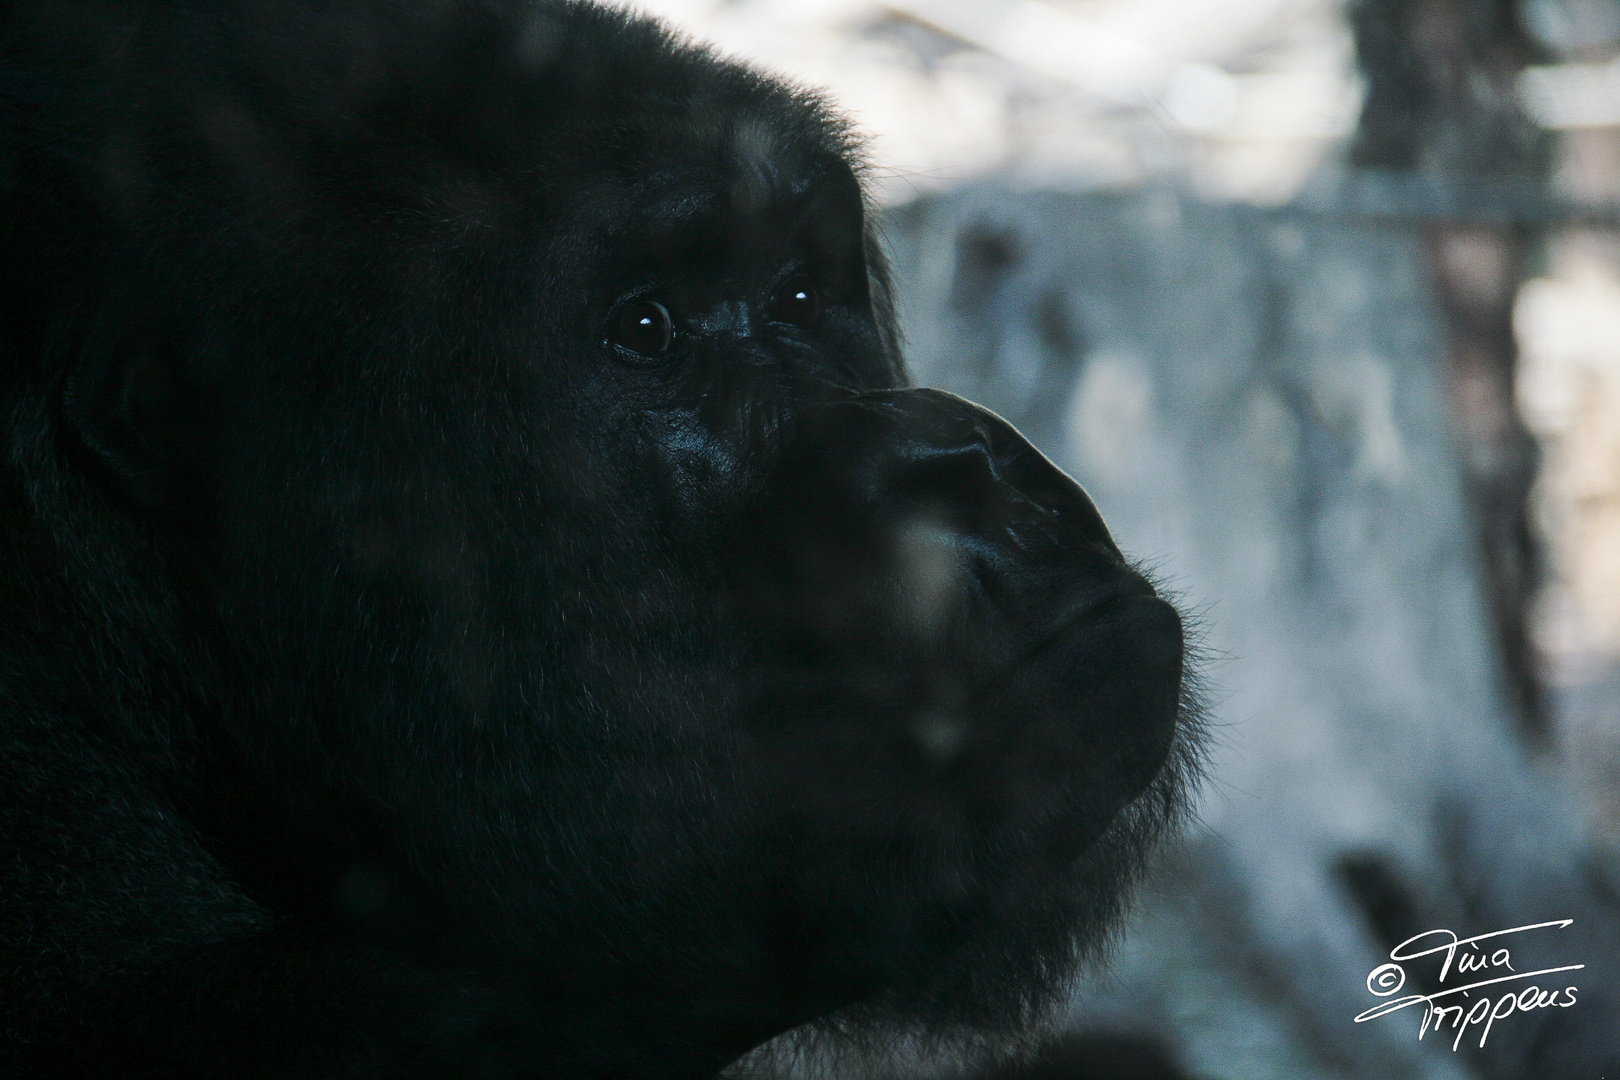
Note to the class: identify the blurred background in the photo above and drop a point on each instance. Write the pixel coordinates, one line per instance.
(1320, 299)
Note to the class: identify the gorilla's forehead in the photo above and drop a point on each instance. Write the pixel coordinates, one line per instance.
(573, 91)
(678, 213)
(737, 146)
(346, 107)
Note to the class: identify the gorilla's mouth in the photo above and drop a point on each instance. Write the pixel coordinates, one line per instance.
(1053, 742)
(1032, 793)
(1091, 710)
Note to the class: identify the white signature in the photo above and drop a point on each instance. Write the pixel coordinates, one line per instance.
(1387, 979)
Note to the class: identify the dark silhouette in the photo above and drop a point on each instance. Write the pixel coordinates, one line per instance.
(478, 599)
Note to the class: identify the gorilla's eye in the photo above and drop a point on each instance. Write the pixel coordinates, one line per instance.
(643, 328)
(797, 302)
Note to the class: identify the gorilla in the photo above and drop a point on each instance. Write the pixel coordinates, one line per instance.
(480, 598)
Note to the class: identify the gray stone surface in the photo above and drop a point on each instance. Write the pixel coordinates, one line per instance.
(1254, 400)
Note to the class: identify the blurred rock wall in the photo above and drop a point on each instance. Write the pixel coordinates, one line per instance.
(1256, 399)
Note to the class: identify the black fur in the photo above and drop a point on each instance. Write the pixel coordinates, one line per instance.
(399, 676)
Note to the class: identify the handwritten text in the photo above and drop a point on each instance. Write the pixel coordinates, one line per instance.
(1484, 965)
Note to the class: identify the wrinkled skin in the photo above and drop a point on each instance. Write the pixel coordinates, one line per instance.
(420, 658)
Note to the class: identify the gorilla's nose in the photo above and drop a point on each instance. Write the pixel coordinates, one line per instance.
(927, 455)
(927, 521)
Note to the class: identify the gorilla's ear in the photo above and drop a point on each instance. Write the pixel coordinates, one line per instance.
(119, 407)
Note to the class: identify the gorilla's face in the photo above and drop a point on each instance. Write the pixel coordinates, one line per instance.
(586, 601)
